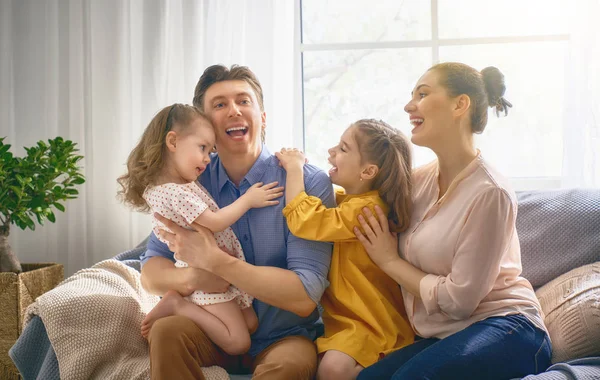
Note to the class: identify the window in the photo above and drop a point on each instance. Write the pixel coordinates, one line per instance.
(361, 59)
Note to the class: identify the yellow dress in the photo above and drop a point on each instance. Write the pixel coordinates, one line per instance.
(364, 313)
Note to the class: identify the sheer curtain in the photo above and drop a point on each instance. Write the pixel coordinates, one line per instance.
(96, 72)
(581, 163)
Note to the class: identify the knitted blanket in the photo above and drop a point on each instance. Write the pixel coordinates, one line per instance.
(93, 321)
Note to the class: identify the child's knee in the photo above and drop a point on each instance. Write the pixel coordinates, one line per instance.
(330, 369)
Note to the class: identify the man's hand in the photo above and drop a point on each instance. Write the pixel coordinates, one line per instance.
(196, 247)
(159, 275)
(199, 279)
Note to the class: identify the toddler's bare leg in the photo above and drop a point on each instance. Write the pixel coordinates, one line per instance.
(250, 318)
(223, 323)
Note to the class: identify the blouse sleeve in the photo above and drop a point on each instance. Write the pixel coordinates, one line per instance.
(483, 241)
(188, 205)
(308, 218)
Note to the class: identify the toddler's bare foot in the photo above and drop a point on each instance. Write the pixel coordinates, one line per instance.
(164, 308)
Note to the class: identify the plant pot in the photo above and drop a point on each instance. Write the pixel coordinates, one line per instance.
(17, 291)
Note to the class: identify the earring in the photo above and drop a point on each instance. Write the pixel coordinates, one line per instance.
(360, 179)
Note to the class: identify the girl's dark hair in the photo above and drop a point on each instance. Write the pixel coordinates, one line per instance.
(389, 149)
(485, 89)
(147, 159)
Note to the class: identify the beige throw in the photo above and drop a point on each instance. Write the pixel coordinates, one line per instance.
(93, 321)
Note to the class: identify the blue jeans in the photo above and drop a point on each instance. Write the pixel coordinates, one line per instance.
(496, 348)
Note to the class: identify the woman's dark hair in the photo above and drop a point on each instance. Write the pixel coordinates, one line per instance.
(485, 89)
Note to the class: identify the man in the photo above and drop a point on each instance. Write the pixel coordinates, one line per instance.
(286, 275)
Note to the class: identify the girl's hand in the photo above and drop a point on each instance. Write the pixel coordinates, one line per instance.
(381, 244)
(291, 158)
(259, 196)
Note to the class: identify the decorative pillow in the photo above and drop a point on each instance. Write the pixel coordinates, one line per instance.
(571, 304)
(558, 231)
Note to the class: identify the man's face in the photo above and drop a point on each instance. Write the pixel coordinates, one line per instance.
(235, 113)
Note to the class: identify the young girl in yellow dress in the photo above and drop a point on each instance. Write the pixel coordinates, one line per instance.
(364, 314)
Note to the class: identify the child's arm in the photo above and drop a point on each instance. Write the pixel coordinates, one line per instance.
(257, 196)
(309, 219)
(292, 161)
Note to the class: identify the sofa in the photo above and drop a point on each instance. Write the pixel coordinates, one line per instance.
(559, 231)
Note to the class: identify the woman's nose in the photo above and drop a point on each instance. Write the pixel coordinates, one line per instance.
(409, 107)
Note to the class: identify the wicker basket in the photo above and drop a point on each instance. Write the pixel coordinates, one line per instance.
(16, 293)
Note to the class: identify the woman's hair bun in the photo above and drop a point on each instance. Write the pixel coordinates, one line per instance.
(495, 88)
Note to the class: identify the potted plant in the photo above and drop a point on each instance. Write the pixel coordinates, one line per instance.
(31, 188)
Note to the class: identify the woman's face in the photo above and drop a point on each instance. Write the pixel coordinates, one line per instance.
(430, 111)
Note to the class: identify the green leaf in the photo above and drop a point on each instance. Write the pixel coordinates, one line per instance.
(25, 221)
(17, 191)
(46, 176)
(30, 223)
(4, 149)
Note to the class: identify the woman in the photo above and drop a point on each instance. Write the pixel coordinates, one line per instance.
(459, 265)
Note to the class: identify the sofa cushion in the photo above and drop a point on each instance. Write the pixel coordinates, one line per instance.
(571, 304)
(559, 230)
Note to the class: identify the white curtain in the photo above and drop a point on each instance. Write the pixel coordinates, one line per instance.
(96, 72)
(581, 163)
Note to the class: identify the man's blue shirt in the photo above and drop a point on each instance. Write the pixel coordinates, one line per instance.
(266, 240)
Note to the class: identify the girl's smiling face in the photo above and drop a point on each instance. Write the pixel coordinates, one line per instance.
(346, 162)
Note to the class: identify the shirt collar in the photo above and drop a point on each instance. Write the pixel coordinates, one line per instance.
(255, 173)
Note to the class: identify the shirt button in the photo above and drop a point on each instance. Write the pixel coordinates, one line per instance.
(245, 237)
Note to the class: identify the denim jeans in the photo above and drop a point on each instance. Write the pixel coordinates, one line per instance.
(496, 348)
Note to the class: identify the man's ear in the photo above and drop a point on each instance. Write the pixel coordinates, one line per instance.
(171, 141)
(462, 104)
(369, 172)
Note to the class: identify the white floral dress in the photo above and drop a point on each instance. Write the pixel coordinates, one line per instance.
(183, 204)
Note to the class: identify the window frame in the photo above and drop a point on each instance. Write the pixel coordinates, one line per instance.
(435, 43)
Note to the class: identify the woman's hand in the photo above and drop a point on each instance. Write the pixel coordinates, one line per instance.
(196, 247)
(381, 244)
(382, 247)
